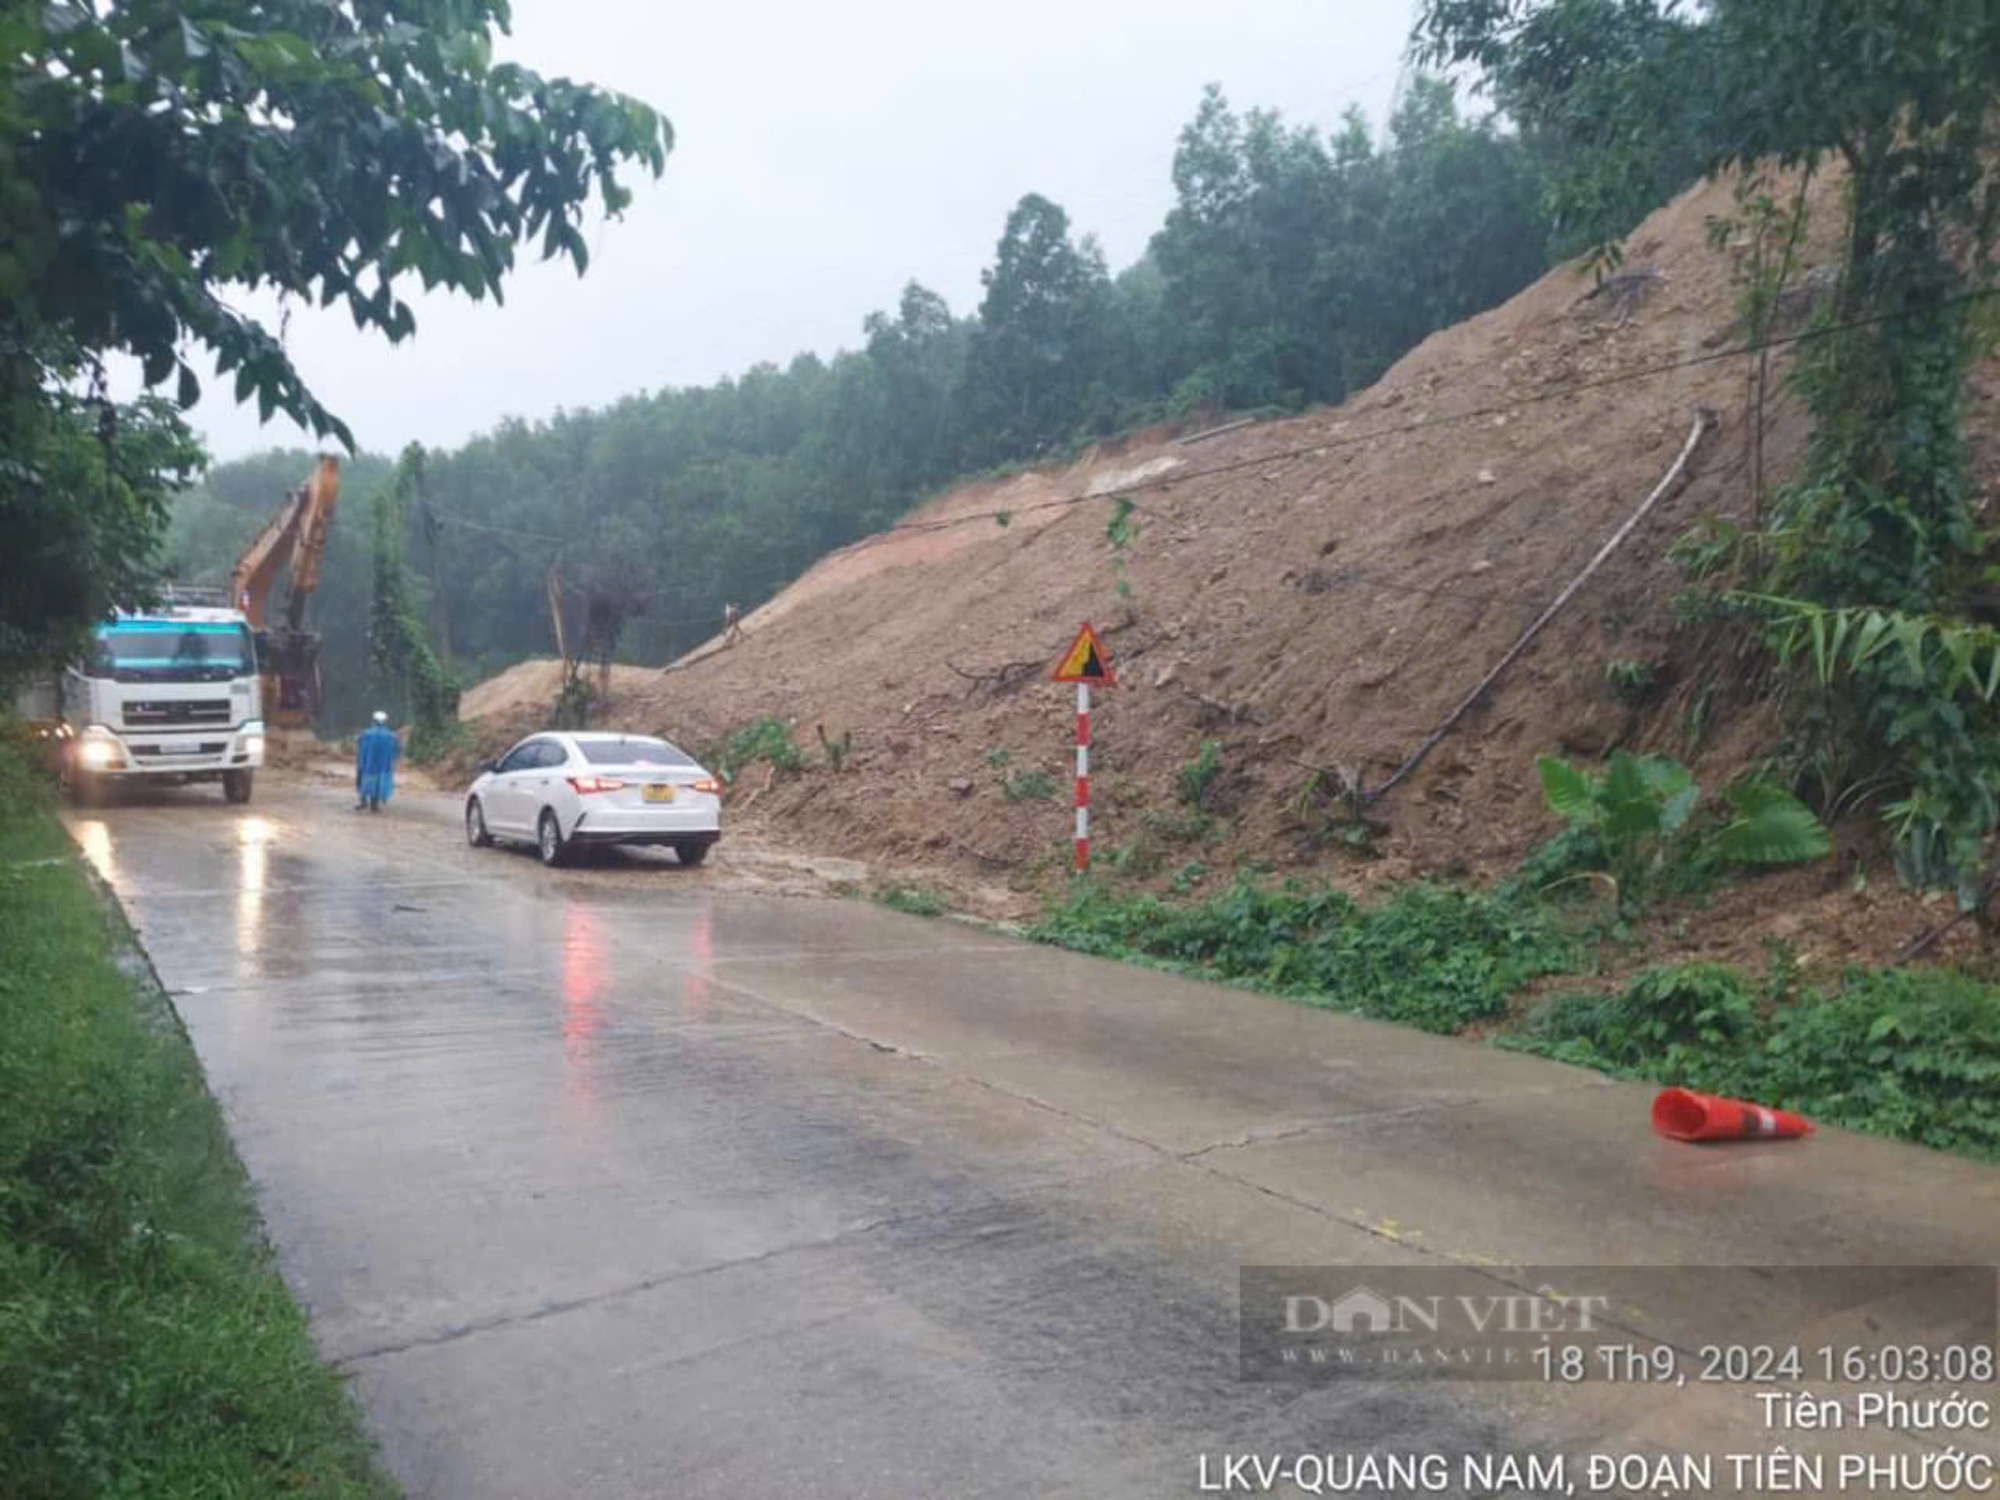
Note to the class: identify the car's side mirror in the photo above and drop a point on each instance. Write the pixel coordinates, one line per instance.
(483, 767)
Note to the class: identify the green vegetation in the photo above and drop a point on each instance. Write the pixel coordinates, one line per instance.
(1190, 827)
(1429, 956)
(84, 492)
(1631, 681)
(573, 699)
(1913, 1054)
(1120, 532)
(836, 750)
(917, 900)
(321, 153)
(1197, 776)
(1909, 1053)
(399, 647)
(1136, 859)
(1632, 825)
(1875, 538)
(768, 739)
(147, 1343)
(1028, 786)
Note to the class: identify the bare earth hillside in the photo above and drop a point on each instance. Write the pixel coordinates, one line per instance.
(1309, 593)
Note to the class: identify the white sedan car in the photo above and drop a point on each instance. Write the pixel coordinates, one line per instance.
(559, 791)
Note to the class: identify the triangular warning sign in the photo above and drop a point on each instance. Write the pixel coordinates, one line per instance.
(1085, 661)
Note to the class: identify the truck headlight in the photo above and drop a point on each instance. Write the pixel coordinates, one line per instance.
(97, 751)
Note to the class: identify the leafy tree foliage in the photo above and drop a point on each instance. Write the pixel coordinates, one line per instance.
(157, 153)
(1618, 99)
(1878, 525)
(398, 645)
(1040, 349)
(1300, 269)
(156, 156)
(79, 512)
(1907, 98)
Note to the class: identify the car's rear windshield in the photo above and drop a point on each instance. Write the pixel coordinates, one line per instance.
(633, 753)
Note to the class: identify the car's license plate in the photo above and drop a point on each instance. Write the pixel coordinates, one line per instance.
(659, 792)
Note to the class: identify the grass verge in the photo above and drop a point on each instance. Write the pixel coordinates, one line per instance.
(917, 900)
(1430, 956)
(1912, 1054)
(147, 1343)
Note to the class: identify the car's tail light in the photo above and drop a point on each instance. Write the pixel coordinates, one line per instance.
(707, 784)
(588, 784)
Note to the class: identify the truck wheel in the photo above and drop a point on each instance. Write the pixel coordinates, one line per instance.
(85, 790)
(236, 785)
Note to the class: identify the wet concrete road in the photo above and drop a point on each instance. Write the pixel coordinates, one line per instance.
(628, 1183)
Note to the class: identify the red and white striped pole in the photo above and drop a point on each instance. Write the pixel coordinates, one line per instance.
(1082, 777)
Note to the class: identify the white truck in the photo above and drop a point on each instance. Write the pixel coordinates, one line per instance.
(170, 694)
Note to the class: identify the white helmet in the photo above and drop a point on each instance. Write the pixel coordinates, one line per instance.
(380, 717)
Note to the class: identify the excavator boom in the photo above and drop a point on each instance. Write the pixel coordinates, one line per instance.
(257, 570)
(322, 495)
(296, 535)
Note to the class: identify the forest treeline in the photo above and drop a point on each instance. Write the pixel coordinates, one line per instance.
(1294, 267)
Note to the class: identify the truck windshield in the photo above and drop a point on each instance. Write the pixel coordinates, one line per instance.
(171, 651)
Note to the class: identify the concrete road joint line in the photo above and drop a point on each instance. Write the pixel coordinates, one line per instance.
(1104, 1126)
(266, 890)
(930, 1218)
(787, 955)
(609, 1294)
(1189, 1158)
(1250, 1139)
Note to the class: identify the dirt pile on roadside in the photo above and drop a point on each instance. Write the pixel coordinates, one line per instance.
(532, 689)
(1310, 596)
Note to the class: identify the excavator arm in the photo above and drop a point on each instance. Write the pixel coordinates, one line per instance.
(297, 536)
(322, 494)
(258, 569)
(298, 531)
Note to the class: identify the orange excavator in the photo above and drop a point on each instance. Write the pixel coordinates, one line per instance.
(289, 653)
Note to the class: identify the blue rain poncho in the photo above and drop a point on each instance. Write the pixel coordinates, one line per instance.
(375, 755)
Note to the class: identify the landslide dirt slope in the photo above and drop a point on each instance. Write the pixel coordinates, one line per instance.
(1313, 592)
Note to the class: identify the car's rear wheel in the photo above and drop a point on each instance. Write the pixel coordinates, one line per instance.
(692, 852)
(549, 840)
(475, 825)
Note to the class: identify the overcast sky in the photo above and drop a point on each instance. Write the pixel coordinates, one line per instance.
(824, 155)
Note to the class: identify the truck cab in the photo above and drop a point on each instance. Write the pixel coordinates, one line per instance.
(168, 694)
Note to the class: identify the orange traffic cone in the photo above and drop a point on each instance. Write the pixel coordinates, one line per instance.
(1683, 1115)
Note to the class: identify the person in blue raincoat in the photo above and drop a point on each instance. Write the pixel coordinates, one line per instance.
(375, 753)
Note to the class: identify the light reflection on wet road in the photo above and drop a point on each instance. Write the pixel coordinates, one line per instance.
(628, 1184)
